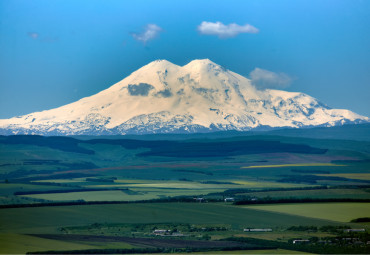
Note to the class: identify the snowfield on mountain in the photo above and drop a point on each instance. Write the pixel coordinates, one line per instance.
(162, 97)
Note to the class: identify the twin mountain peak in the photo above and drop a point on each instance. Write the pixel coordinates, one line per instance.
(162, 97)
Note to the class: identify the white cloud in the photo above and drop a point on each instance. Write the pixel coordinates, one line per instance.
(264, 79)
(150, 32)
(33, 35)
(225, 31)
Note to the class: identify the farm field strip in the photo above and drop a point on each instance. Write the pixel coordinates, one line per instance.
(293, 165)
(131, 190)
(189, 185)
(284, 235)
(223, 184)
(22, 243)
(271, 251)
(266, 184)
(341, 212)
(168, 185)
(31, 187)
(134, 181)
(147, 242)
(318, 193)
(19, 243)
(46, 219)
(358, 176)
(120, 195)
(150, 190)
(72, 180)
(110, 195)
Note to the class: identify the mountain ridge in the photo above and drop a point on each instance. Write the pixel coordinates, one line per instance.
(162, 97)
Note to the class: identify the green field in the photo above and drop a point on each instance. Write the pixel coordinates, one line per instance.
(292, 165)
(141, 189)
(111, 220)
(112, 195)
(67, 165)
(257, 168)
(21, 220)
(361, 176)
(315, 193)
(268, 251)
(272, 251)
(10, 188)
(341, 212)
(20, 244)
(17, 222)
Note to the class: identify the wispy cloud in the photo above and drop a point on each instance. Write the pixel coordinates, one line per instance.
(264, 79)
(42, 38)
(150, 32)
(33, 35)
(225, 31)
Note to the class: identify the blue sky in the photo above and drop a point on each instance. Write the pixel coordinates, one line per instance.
(56, 52)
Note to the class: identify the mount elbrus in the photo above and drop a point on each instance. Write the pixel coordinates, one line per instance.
(162, 97)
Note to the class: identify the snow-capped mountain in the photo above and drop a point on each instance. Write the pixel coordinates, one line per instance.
(162, 97)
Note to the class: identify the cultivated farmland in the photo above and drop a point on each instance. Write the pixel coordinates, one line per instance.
(108, 195)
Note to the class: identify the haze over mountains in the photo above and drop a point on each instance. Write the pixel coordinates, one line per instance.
(162, 97)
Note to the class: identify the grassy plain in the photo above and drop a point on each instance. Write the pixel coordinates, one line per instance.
(270, 251)
(361, 176)
(314, 193)
(341, 212)
(39, 219)
(247, 166)
(109, 195)
(17, 222)
(10, 188)
(292, 165)
(264, 251)
(20, 244)
(132, 190)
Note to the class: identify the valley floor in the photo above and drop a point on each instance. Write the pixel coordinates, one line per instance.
(240, 195)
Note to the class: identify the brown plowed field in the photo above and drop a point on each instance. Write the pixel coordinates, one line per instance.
(146, 242)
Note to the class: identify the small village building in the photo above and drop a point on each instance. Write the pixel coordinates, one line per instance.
(257, 230)
(158, 232)
(300, 241)
(355, 230)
